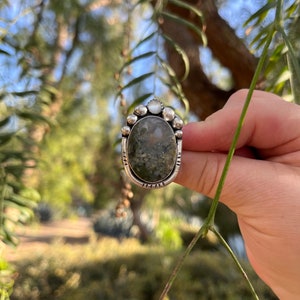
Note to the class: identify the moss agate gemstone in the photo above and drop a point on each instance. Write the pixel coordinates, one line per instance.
(152, 149)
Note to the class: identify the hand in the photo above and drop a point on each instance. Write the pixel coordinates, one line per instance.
(262, 189)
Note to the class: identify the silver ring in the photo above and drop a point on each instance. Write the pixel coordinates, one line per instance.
(152, 145)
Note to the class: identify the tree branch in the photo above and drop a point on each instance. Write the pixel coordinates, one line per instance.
(205, 97)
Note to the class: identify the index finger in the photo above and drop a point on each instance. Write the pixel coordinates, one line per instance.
(272, 126)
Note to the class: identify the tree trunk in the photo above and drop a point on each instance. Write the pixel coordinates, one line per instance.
(205, 97)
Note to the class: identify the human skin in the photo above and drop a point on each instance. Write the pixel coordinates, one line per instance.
(263, 182)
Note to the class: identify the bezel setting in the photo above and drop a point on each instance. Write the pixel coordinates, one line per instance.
(152, 145)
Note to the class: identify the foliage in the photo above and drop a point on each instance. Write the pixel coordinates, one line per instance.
(43, 212)
(7, 275)
(108, 224)
(282, 68)
(16, 200)
(59, 53)
(51, 53)
(69, 173)
(148, 48)
(67, 159)
(167, 231)
(128, 270)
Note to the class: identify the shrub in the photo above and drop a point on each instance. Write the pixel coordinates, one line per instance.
(43, 212)
(108, 224)
(108, 269)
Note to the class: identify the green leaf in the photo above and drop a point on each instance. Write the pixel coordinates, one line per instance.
(292, 8)
(181, 97)
(262, 36)
(34, 117)
(21, 201)
(24, 93)
(144, 40)
(140, 2)
(6, 137)
(4, 122)
(167, 68)
(2, 95)
(193, 9)
(183, 55)
(50, 89)
(188, 24)
(261, 13)
(15, 170)
(32, 194)
(292, 56)
(8, 237)
(135, 81)
(138, 101)
(137, 58)
(284, 76)
(4, 52)
(10, 154)
(278, 52)
(174, 85)
(44, 97)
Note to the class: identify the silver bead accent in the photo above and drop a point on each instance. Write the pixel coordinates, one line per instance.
(125, 130)
(131, 119)
(168, 114)
(140, 110)
(177, 123)
(155, 106)
(179, 134)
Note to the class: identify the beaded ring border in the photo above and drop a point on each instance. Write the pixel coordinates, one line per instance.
(152, 145)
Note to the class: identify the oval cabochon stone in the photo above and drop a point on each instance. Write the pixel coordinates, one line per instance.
(152, 149)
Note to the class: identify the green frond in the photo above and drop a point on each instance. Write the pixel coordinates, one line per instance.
(6, 137)
(143, 41)
(20, 201)
(260, 39)
(284, 76)
(33, 117)
(174, 85)
(4, 52)
(182, 54)
(189, 7)
(8, 236)
(5, 121)
(279, 50)
(260, 14)
(292, 55)
(188, 24)
(135, 81)
(292, 9)
(137, 58)
(24, 93)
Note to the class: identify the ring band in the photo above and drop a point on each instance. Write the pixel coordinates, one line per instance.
(152, 145)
